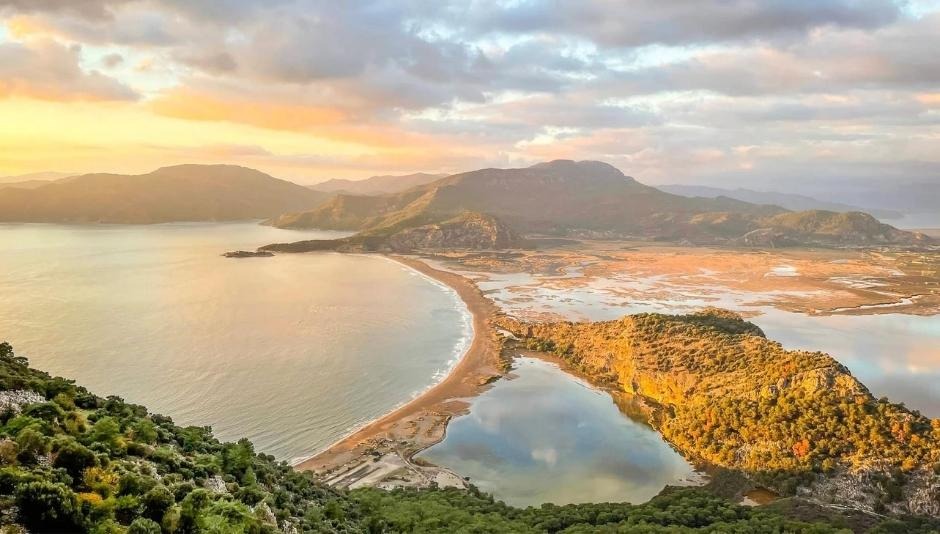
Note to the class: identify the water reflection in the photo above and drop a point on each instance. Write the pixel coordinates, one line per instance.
(548, 437)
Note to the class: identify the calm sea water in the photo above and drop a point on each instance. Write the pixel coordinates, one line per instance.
(547, 437)
(291, 351)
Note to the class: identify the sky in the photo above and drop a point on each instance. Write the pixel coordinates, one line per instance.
(767, 94)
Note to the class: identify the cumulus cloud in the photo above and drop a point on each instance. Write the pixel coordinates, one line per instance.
(50, 71)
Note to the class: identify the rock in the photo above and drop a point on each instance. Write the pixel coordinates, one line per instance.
(13, 401)
(248, 254)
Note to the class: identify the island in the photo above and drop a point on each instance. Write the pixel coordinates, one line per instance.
(248, 254)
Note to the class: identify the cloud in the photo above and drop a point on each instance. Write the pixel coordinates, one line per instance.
(669, 91)
(49, 71)
(187, 104)
(92, 9)
(112, 60)
(612, 23)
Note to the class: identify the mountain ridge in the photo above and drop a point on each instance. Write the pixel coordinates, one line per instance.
(790, 201)
(587, 199)
(376, 185)
(188, 192)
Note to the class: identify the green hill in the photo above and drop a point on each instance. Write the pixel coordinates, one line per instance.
(71, 461)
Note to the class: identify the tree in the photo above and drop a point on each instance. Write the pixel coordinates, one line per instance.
(32, 444)
(143, 525)
(157, 501)
(46, 506)
(73, 457)
(108, 431)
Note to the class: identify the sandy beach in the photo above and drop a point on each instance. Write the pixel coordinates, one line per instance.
(381, 453)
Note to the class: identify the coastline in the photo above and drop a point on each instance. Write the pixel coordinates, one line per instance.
(387, 445)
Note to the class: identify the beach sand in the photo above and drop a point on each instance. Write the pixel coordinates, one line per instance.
(381, 453)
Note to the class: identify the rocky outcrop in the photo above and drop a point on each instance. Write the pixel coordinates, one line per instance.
(467, 231)
(13, 401)
(247, 254)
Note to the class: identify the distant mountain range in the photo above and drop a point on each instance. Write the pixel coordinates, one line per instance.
(179, 193)
(789, 201)
(376, 185)
(34, 177)
(551, 198)
(593, 200)
(486, 208)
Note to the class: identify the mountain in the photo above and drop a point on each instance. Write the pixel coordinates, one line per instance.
(556, 197)
(376, 185)
(179, 193)
(586, 199)
(721, 392)
(789, 201)
(35, 176)
(25, 184)
(469, 230)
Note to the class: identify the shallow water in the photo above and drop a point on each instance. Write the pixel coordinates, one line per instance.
(291, 351)
(545, 436)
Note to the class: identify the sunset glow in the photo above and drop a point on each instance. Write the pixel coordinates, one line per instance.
(742, 92)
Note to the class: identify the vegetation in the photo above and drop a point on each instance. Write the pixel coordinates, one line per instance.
(71, 461)
(735, 399)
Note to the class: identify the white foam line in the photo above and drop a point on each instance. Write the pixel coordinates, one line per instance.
(460, 352)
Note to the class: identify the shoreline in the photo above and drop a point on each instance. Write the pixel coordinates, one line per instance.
(387, 445)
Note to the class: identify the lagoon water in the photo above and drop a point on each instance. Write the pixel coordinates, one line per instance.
(291, 351)
(545, 436)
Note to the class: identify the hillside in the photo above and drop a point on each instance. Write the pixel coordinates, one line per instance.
(588, 199)
(376, 185)
(180, 193)
(76, 462)
(469, 230)
(726, 395)
(790, 201)
(829, 228)
(554, 197)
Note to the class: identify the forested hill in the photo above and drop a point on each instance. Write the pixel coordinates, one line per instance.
(71, 461)
(797, 421)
